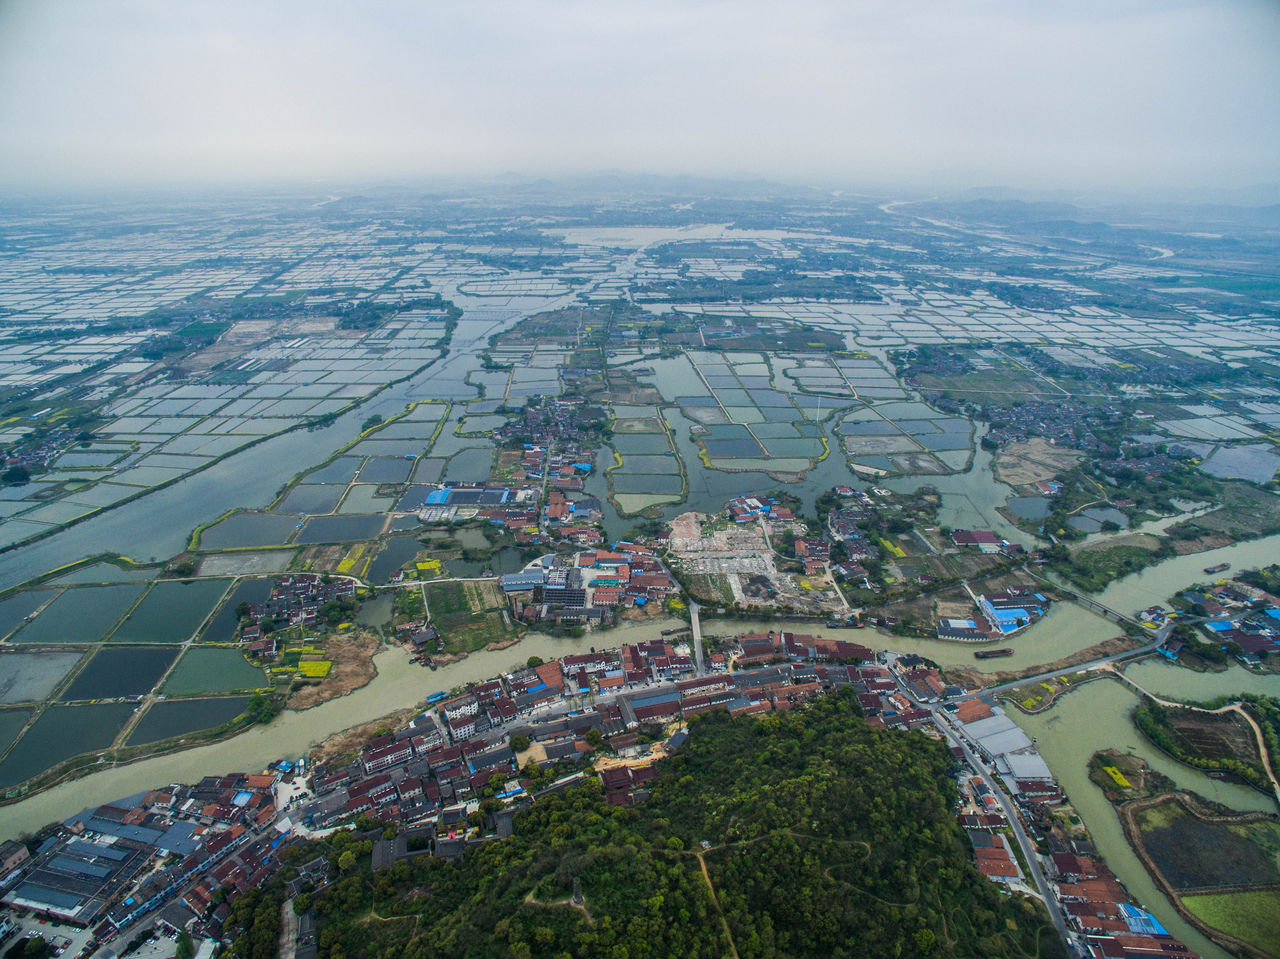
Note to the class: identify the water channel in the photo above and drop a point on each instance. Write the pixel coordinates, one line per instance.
(1092, 717)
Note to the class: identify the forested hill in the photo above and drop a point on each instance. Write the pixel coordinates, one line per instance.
(823, 837)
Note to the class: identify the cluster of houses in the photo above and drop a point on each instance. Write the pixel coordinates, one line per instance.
(999, 614)
(38, 457)
(984, 541)
(1098, 909)
(186, 851)
(1095, 906)
(560, 420)
(592, 589)
(1238, 624)
(296, 600)
(559, 453)
(748, 509)
(1073, 423)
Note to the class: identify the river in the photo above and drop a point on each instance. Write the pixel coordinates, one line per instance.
(1096, 716)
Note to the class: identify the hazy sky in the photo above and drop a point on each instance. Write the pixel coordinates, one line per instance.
(1043, 93)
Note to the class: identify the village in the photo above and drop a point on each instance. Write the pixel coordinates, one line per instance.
(176, 859)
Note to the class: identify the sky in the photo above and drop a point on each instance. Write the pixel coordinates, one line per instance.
(932, 94)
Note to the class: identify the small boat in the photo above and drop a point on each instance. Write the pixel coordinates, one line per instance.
(1217, 569)
(992, 653)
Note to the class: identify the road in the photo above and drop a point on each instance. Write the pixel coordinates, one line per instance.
(1236, 707)
(1149, 648)
(696, 622)
(1011, 814)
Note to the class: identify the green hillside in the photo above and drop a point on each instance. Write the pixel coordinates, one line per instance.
(821, 836)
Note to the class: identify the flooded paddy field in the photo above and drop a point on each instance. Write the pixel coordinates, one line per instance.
(340, 529)
(205, 669)
(385, 469)
(119, 671)
(222, 625)
(11, 723)
(60, 733)
(15, 609)
(30, 677)
(312, 498)
(361, 498)
(249, 529)
(171, 612)
(105, 573)
(177, 718)
(83, 614)
(395, 552)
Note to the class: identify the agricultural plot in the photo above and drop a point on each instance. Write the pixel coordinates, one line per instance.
(80, 615)
(171, 612)
(469, 615)
(178, 718)
(647, 470)
(1251, 916)
(116, 672)
(1194, 853)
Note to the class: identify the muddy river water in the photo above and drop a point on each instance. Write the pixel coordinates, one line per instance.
(1091, 717)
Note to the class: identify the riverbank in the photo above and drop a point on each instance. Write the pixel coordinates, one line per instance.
(1132, 814)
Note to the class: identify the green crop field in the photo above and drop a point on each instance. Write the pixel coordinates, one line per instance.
(1251, 916)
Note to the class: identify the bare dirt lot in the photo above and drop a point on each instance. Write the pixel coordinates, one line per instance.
(352, 658)
(972, 677)
(1030, 461)
(1140, 540)
(349, 741)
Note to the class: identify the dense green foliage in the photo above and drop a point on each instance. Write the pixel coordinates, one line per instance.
(1154, 721)
(807, 833)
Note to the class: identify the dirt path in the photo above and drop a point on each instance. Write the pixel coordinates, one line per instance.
(1236, 707)
(288, 930)
(1128, 814)
(715, 901)
(352, 658)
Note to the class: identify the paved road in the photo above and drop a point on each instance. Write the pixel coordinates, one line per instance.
(1011, 814)
(1237, 707)
(696, 623)
(1150, 647)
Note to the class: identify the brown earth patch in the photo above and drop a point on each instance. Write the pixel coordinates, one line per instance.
(1109, 647)
(1140, 540)
(349, 742)
(1184, 547)
(1033, 460)
(352, 658)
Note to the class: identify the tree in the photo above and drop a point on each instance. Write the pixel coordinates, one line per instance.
(185, 947)
(519, 743)
(347, 861)
(534, 661)
(16, 476)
